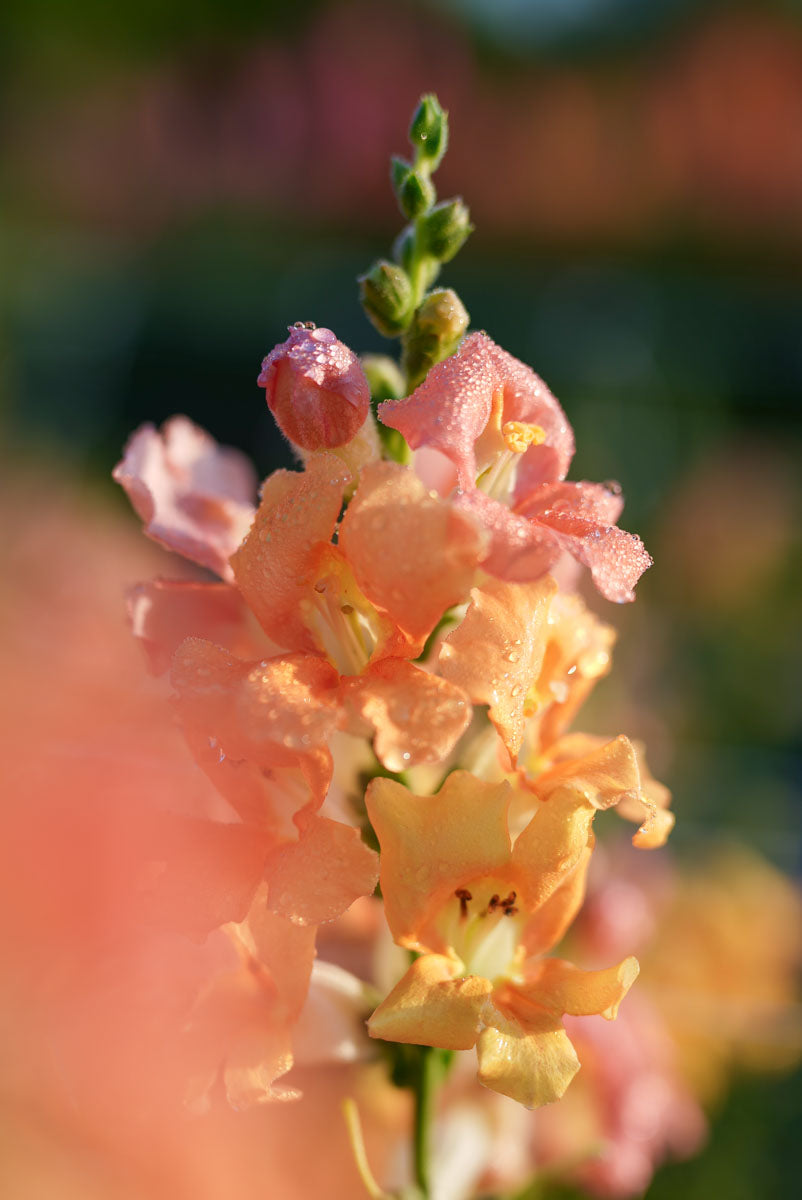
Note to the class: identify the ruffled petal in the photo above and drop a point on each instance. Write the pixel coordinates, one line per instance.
(616, 559)
(433, 1005)
(193, 495)
(602, 777)
(412, 553)
(299, 509)
(318, 877)
(496, 652)
(563, 988)
(430, 845)
(164, 612)
(640, 797)
(415, 717)
(594, 502)
(531, 1060)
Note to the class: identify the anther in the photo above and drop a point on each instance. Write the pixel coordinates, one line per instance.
(463, 895)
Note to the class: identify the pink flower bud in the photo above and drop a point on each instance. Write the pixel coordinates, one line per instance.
(315, 388)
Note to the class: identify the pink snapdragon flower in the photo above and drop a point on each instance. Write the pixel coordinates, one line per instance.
(194, 496)
(509, 446)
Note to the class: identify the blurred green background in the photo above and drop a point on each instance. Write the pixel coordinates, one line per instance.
(181, 181)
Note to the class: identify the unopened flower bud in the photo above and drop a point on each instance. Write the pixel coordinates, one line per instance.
(315, 388)
(416, 195)
(435, 333)
(446, 228)
(386, 294)
(428, 132)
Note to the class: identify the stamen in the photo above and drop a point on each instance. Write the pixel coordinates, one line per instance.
(463, 895)
(519, 436)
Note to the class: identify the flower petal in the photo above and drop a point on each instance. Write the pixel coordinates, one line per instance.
(247, 722)
(532, 1062)
(616, 559)
(518, 549)
(318, 877)
(193, 495)
(496, 652)
(412, 553)
(416, 717)
(432, 1005)
(271, 712)
(431, 845)
(551, 846)
(550, 922)
(602, 777)
(563, 988)
(163, 612)
(451, 408)
(299, 509)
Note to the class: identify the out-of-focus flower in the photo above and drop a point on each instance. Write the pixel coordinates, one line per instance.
(193, 495)
(510, 446)
(723, 969)
(481, 910)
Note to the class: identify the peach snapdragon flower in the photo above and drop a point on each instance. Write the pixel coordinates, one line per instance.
(480, 910)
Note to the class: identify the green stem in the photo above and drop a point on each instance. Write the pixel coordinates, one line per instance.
(426, 1081)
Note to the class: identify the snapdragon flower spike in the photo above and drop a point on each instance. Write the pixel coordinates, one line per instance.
(194, 496)
(509, 446)
(315, 388)
(481, 909)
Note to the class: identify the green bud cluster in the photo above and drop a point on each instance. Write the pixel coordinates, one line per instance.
(395, 294)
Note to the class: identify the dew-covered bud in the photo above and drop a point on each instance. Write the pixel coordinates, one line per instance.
(386, 294)
(446, 228)
(428, 132)
(315, 388)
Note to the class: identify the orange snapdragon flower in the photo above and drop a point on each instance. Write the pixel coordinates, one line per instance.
(481, 909)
